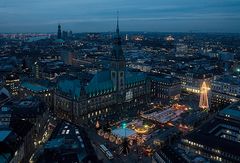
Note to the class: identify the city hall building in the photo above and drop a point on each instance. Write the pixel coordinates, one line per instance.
(111, 93)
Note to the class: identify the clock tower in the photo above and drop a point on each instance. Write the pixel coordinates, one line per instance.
(118, 63)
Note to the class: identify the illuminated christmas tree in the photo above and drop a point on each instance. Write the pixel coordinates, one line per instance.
(203, 103)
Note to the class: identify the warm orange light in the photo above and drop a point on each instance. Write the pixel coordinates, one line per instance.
(203, 103)
(170, 124)
(141, 130)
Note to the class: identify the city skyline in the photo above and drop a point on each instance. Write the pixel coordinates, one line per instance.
(119, 81)
(93, 16)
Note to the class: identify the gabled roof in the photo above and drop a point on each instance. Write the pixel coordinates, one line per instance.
(100, 82)
(72, 87)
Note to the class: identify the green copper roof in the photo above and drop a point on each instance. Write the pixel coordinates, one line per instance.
(100, 82)
(59, 41)
(72, 87)
(34, 87)
(133, 77)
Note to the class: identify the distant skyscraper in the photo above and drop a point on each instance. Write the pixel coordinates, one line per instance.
(64, 34)
(203, 103)
(70, 33)
(59, 36)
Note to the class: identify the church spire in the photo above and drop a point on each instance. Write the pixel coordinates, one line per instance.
(117, 30)
(59, 34)
(117, 52)
(117, 38)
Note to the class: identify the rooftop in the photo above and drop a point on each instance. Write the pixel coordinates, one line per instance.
(169, 155)
(69, 142)
(214, 135)
(164, 78)
(69, 86)
(232, 111)
(102, 81)
(4, 134)
(34, 87)
(229, 79)
(26, 108)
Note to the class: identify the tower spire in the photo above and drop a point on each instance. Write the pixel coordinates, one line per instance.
(117, 30)
(59, 35)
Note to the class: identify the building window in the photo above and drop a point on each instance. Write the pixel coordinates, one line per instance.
(113, 74)
(121, 74)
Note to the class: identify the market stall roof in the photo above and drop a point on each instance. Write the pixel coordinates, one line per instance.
(123, 132)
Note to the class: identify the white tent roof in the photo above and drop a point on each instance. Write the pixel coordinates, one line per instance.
(123, 132)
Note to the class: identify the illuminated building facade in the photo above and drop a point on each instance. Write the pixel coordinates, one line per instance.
(225, 90)
(112, 92)
(36, 70)
(192, 81)
(48, 69)
(12, 83)
(165, 88)
(217, 140)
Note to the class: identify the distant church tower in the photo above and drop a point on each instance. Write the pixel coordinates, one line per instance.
(59, 35)
(118, 63)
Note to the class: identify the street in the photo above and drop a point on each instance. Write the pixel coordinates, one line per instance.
(132, 157)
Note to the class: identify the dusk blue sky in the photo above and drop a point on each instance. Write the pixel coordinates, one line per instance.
(135, 15)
